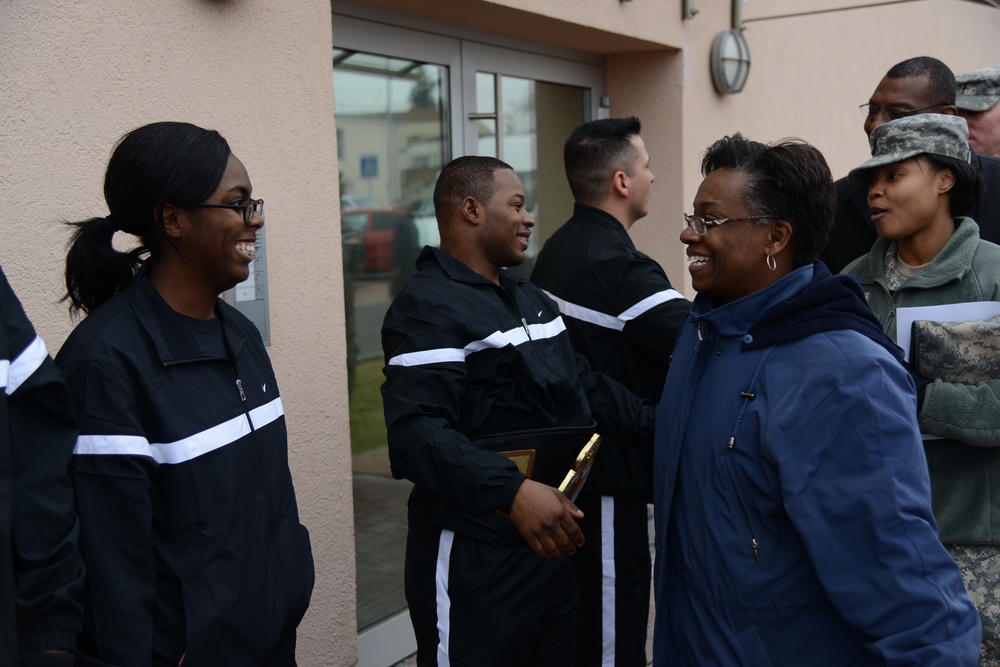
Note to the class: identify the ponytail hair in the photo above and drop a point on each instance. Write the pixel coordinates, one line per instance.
(95, 271)
(152, 166)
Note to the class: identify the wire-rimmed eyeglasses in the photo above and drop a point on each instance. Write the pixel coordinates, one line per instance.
(700, 225)
(869, 110)
(249, 208)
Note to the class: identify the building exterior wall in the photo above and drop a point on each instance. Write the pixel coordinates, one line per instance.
(77, 75)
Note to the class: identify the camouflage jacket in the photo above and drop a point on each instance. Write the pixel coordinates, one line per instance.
(965, 479)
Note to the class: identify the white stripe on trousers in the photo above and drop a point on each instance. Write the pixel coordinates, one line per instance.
(442, 598)
(608, 580)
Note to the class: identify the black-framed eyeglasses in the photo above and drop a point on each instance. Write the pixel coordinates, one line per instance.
(700, 225)
(252, 206)
(869, 111)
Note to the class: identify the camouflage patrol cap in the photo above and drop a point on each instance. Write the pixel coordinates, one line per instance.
(926, 133)
(978, 90)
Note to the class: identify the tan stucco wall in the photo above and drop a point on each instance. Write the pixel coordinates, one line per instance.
(600, 26)
(807, 78)
(76, 76)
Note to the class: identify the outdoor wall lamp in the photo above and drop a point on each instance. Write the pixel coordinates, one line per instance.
(730, 61)
(730, 58)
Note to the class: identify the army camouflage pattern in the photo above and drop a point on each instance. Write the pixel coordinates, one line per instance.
(966, 352)
(978, 90)
(980, 565)
(893, 278)
(930, 133)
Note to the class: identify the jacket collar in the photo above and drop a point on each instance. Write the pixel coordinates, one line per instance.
(456, 270)
(803, 303)
(601, 218)
(735, 318)
(950, 263)
(174, 342)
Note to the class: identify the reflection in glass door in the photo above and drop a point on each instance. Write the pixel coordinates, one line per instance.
(525, 123)
(393, 138)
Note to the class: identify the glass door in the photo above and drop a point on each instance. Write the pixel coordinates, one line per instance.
(392, 96)
(521, 108)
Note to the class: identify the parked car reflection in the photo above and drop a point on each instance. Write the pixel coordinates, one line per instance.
(390, 238)
(377, 227)
(426, 223)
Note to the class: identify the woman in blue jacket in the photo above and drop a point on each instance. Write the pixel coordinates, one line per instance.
(189, 526)
(792, 500)
(919, 178)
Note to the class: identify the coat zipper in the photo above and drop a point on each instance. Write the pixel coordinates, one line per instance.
(739, 501)
(272, 519)
(747, 395)
(730, 444)
(512, 301)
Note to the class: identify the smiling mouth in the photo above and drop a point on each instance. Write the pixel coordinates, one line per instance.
(698, 260)
(246, 248)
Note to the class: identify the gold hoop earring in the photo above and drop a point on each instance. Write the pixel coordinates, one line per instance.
(771, 264)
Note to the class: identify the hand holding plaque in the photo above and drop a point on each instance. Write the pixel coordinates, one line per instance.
(573, 483)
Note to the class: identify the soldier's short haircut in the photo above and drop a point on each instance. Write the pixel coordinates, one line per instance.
(941, 80)
(469, 176)
(594, 151)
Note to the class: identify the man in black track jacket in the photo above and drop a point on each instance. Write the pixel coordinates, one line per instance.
(623, 316)
(41, 571)
(473, 351)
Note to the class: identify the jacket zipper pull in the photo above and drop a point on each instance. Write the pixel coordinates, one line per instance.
(524, 323)
(753, 542)
(239, 385)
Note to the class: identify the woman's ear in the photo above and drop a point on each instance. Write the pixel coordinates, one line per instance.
(780, 237)
(945, 181)
(171, 221)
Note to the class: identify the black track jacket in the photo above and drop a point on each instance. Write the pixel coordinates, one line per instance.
(189, 524)
(622, 315)
(466, 358)
(41, 572)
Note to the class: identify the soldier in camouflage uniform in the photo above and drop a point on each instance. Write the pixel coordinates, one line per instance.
(918, 177)
(978, 101)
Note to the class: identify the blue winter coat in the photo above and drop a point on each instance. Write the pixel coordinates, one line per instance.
(792, 497)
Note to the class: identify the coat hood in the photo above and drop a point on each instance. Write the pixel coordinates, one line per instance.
(828, 303)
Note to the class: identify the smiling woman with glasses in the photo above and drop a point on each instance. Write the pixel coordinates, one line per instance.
(188, 520)
(793, 518)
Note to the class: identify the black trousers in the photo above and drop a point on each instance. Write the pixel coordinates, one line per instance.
(479, 604)
(613, 570)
